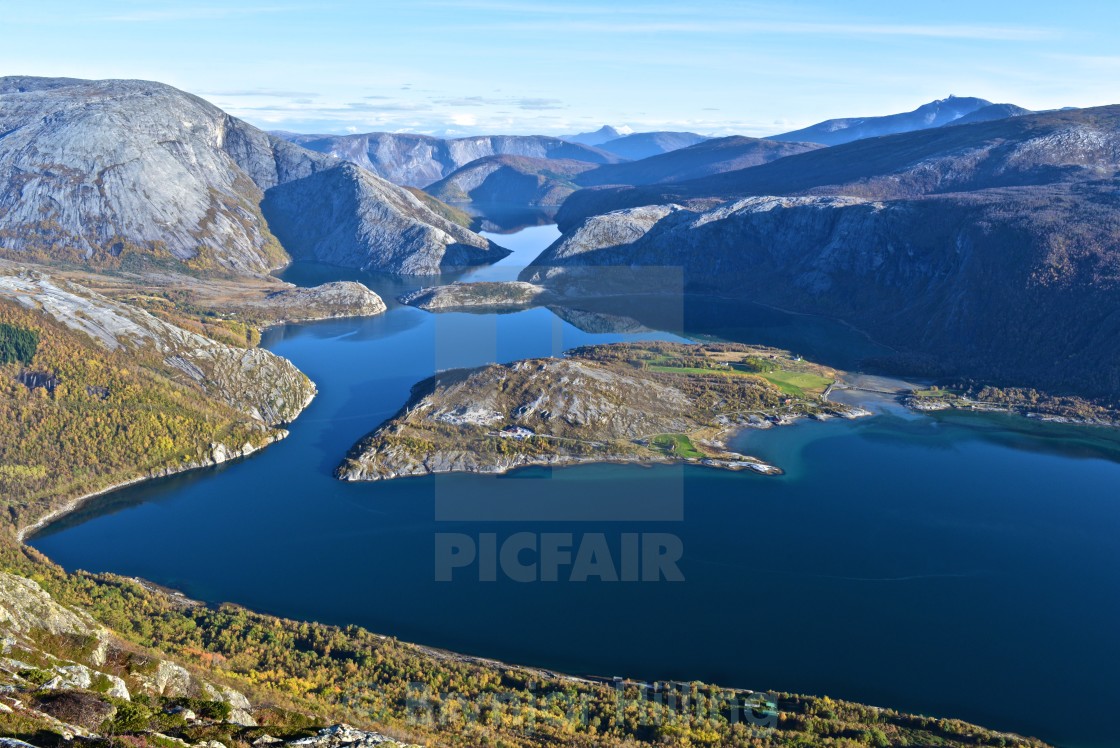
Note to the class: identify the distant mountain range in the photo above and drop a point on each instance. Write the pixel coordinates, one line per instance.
(421, 160)
(96, 172)
(533, 182)
(989, 249)
(604, 134)
(933, 114)
(989, 113)
(1070, 145)
(710, 156)
(512, 180)
(646, 144)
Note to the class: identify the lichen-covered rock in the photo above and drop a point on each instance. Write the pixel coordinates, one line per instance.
(344, 736)
(240, 707)
(25, 606)
(167, 679)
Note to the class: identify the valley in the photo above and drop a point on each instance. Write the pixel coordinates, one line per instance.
(683, 360)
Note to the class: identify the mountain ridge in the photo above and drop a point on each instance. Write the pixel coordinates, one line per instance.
(1041, 148)
(847, 129)
(93, 172)
(421, 160)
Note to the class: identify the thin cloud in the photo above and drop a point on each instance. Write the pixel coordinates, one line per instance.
(267, 93)
(198, 13)
(528, 103)
(539, 104)
(971, 32)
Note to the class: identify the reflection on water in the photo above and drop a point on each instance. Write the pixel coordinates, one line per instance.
(953, 564)
(508, 219)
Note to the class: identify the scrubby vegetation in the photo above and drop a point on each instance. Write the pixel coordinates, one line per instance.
(81, 418)
(305, 675)
(969, 395)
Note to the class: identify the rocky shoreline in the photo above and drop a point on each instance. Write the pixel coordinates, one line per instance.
(640, 403)
(219, 453)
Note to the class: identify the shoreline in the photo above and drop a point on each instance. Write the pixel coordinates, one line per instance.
(752, 464)
(724, 461)
(220, 454)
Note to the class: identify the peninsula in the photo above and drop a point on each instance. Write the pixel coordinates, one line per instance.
(626, 402)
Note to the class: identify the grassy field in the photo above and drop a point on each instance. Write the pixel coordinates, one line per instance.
(676, 444)
(696, 370)
(797, 383)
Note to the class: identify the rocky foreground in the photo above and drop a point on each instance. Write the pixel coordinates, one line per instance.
(101, 684)
(637, 403)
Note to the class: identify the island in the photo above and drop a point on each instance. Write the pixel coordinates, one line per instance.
(483, 295)
(1022, 401)
(644, 403)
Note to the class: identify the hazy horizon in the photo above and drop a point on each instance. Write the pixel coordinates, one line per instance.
(509, 66)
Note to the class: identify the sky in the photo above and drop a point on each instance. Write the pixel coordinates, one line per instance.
(449, 67)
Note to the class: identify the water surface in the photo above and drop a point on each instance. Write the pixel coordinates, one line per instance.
(953, 565)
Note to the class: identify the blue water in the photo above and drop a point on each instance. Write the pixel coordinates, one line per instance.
(953, 565)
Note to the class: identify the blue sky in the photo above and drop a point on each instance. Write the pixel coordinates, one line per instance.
(563, 66)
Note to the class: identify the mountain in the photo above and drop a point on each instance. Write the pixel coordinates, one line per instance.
(600, 136)
(989, 113)
(100, 172)
(646, 144)
(708, 157)
(529, 182)
(989, 250)
(1050, 147)
(511, 180)
(933, 114)
(420, 160)
(1019, 286)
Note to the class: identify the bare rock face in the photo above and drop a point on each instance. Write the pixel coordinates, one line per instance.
(348, 217)
(261, 384)
(593, 259)
(91, 171)
(345, 736)
(24, 607)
